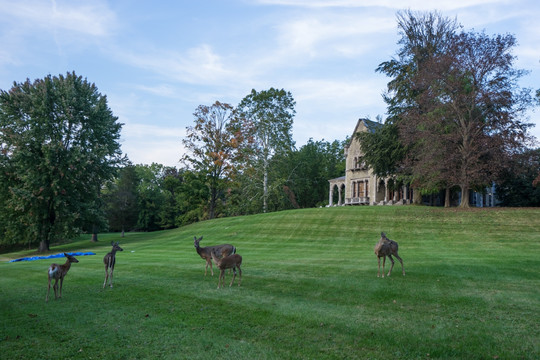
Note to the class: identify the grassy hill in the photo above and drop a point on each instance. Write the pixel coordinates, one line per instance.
(309, 290)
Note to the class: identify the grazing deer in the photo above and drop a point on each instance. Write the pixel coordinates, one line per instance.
(386, 247)
(109, 260)
(206, 252)
(58, 272)
(228, 262)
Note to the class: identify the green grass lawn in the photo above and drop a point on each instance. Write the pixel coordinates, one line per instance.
(309, 290)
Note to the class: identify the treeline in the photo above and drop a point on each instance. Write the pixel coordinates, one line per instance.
(155, 197)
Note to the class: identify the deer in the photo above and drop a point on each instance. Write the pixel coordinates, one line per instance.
(386, 247)
(206, 252)
(110, 260)
(58, 272)
(228, 262)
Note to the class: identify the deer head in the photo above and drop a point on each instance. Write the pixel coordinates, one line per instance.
(116, 246)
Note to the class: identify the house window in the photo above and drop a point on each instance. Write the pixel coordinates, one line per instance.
(366, 189)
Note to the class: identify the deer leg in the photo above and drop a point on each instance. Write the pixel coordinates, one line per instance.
(221, 278)
(209, 262)
(111, 277)
(48, 290)
(55, 288)
(106, 276)
(391, 267)
(240, 274)
(401, 261)
(383, 263)
(379, 268)
(61, 284)
(234, 275)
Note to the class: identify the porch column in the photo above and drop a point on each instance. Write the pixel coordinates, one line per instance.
(331, 195)
(339, 192)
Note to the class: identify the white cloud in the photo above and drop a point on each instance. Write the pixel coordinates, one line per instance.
(392, 4)
(331, 34)
(90, 18)
(198, 65)
(145, 144)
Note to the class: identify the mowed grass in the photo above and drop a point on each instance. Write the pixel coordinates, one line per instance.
(309, 290)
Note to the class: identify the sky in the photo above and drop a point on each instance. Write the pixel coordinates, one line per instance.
(157, 61)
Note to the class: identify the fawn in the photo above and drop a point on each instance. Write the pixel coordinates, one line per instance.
(110, 260)
(386, 247)
(229, 262)
(58, 272)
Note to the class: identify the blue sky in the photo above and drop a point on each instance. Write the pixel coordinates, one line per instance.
(158, 60)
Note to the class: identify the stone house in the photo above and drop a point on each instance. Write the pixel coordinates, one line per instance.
(360, 186)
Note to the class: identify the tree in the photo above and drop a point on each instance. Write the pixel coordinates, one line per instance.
(423, 37)
(59, 145)
(212, 145)
(516, 186)
(150, 196)
(268, 115)
(473, 113)
(120, 196)
(304, 173)
(170, 184)
(455, 100)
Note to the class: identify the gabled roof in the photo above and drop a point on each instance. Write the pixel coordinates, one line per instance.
(368, 124)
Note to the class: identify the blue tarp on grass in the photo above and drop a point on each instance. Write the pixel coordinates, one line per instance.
(32, 258)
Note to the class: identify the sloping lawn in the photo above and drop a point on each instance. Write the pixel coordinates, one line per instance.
(309, 290)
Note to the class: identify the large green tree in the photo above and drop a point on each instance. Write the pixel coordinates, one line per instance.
(423, 36)
(456, 103)
(59, 143)
(212, 145)
(268, 115)
(473, 113)
(121, 200)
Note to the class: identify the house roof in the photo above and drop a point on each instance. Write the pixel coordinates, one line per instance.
(368, 124)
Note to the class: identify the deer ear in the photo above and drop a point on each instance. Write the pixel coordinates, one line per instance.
(66, 255)
(383, 235)
(112, 243)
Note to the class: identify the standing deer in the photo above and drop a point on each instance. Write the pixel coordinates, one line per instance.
(58, 272)
(386, 247)
(110, 260)
(206, 252)
(228, 262)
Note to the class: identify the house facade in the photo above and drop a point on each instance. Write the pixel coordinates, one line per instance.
(360, 186)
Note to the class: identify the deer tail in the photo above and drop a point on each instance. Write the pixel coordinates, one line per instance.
(53, 269)
(233, 250)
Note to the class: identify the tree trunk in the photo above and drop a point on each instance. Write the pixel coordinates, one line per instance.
(447, 198)
(213, 198)
(417, 197)
(265, 186)
(94, 234)
(43, 246)
(464, 203)
(43, 234)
